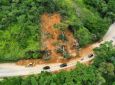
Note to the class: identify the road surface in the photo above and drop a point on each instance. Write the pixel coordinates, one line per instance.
(11, 69)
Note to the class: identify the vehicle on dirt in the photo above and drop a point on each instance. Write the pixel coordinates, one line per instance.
(63, 65)
(30, 65)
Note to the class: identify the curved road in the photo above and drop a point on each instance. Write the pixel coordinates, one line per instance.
(11, 69)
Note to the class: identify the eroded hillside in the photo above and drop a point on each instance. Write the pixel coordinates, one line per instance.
(51, 42)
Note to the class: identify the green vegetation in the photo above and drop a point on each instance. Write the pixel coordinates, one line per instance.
(101, 72)
(62, 37)
(105, 62)
(106, 53)
(61, 26)
(84, 36)
(20, 29)
(33, 54)
(104, 7)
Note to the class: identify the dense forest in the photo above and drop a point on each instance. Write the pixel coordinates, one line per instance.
(101, 72)
(20, 29)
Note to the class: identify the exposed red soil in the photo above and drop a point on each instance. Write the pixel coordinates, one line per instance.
(85, 51)
(48, 22)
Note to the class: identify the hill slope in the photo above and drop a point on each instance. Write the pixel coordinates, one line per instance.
(20, 24)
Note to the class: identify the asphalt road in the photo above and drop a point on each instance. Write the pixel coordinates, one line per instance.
(11, 69)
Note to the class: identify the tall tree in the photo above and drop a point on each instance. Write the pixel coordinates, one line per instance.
(84, 36)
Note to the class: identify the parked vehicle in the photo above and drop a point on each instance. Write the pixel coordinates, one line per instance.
(91, 55)
(63, 65)
(46, 67)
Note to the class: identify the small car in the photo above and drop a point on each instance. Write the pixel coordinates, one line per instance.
(46, 67)
(91, 55)
(63, 65)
